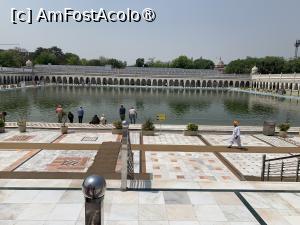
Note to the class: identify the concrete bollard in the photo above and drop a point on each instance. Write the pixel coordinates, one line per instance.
(93, 188)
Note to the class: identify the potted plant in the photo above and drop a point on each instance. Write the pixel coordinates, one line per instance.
(148, 128)
(64, 128)
(22, 125)
(191, 130)
(118, 127)
(284, 127)
(2, 126)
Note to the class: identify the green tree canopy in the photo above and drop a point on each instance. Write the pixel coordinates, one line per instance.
(140, 62)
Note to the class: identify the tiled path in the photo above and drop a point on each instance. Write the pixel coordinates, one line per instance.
(8, 157)
(88, 138)
(276, 208)
(224, 140)
(31, 136)
(47, 207)
(275, 141)
(187, 166)
(172, 139)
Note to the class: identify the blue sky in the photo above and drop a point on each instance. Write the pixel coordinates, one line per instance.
(208, 28)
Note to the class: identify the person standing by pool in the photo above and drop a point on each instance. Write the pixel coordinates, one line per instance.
(80, 113)
(103, 120)
(132, 115)
(71, 117)
(236, 135)
(59, 111)
(122, 112)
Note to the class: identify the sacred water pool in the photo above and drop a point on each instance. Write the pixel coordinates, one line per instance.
(202, 106)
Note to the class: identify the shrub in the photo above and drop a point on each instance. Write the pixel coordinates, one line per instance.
(2, 123)
(118, 124)
(21, 122)
(192, 127)
(284, 126)
(148, 125)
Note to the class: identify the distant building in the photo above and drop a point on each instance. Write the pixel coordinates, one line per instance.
(220, 66)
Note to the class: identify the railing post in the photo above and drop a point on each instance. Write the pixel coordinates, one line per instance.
(297, 170)
(268, 174)
(93, 188)
(124, 157)
(281, 172)
(263, 168)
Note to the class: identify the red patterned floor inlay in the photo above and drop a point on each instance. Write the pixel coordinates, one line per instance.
(68, 163)
(20, 138)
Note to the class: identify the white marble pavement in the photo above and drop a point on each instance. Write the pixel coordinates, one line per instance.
(172, 139)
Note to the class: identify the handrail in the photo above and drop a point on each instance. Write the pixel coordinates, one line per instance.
(282, 168)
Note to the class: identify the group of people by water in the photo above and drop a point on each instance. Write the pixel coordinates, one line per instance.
(62, 117)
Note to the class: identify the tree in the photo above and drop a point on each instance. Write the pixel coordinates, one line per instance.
(45, 58)
(182, 62)
(203, 64)
(72, 59)
(140, 62)
(292, 66)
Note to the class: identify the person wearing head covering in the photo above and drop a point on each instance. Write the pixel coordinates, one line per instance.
(95, 120)
(71, 117)
(2, 116)
(236, 135)
(122, 112)
(103, 120)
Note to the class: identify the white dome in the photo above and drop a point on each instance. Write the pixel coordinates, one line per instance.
(254, 70)
(28, 63)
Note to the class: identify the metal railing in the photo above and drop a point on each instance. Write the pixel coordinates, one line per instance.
(281, 168)
(127, 171)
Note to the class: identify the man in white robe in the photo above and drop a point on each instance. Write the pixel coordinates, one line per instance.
(236, 135)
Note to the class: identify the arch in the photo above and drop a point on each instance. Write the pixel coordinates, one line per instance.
(116, 82)
(220, 84)
(127, 82)
(165, 83)
(231, 83)
(154, 82)
(242, 85)
(87, 80)
(76, 80)
(237, 84)
(247, 85)
(65, 80)
(182, 83)
(204, 83)
(215, 84)
(36, 79)
(291, 86)
(286, 86)
(122, 82)
(160, 83)
(296, 87)
(226, 84)
(47, 80)
(176, 83)
(53, 80)
(98, 81)
(148, 82)
(104, 81)
(193, 83)
(93, 81)
(198, 83)
(70, 80)
(138, 82)
(132, 83)
(171, 83)
(81, 80)
(110, 81)
(209, 83)
(187, 83)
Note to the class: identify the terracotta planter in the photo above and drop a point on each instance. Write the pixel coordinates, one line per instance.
(190, 133)
(22, 129)
(148, 132)
(283, 134)
(117, 131)
(2, 129)
(64, 129)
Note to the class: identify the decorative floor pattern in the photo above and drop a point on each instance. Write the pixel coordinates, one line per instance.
(275, 141)
(31, 136)
(59, 161)
(187, 166)
(295, 140)
(276, 208)
(45, 207)
(224, 140)
(8, 157)
(88, 138)
(249, 164)
(134, 137)
(172, 139)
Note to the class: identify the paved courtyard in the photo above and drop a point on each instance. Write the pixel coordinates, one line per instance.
(31, 136)
(172, 139)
